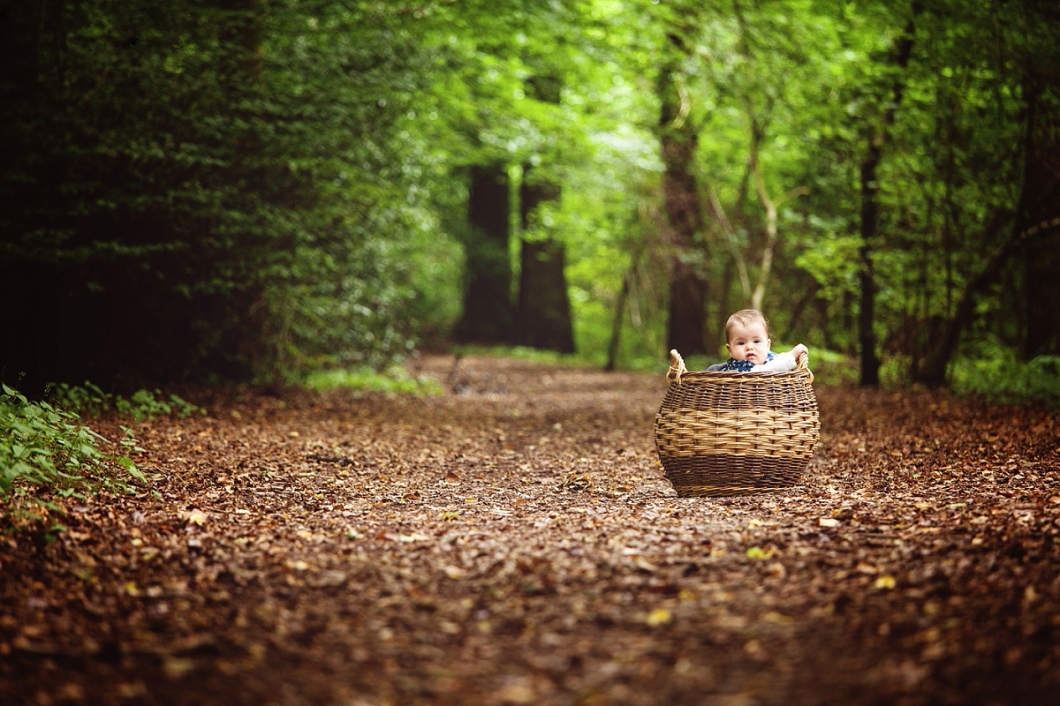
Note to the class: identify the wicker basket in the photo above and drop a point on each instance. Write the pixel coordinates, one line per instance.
(736, 433)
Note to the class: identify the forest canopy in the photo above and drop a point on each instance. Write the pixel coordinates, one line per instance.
(253, 189)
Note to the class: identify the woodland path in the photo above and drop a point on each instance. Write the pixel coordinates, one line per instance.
(515, 542)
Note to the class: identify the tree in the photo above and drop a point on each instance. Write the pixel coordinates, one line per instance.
(876, 138)
(487, 315)
(253, 189)
(176, 200)
(678, 137)
(984, 187)
(543, 315)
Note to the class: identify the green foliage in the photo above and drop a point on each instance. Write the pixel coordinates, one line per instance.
(394, 380)
(192, 190)
(830, 367)
(145, 405)
(201, 189)
(45, 446)
(524, 353)
(84, 400)
(993, 371)
(89, 399)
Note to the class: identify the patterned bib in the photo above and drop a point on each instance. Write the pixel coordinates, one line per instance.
(742, 366)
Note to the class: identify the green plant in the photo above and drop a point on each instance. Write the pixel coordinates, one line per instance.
(142, 405)
(89, 399)
(994, 372)
(521, 352)
(44, 445)
(394, 380)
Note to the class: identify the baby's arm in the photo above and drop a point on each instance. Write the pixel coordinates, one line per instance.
(782, 362)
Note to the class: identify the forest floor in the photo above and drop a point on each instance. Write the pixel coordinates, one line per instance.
(515, 542)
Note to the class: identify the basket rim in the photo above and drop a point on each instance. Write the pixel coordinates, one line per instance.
(738, 375)
(737, 378)
(678, 372)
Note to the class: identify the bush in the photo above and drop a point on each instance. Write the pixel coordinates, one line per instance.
(89, 399)
(44, 445)
(396, 379)
(995, 373)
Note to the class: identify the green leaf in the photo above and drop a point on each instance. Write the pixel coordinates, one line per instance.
(127, 463)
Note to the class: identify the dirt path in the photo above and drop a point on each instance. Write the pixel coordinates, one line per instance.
(516, 543)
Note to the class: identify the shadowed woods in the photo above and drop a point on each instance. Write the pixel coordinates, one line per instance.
(516, 543)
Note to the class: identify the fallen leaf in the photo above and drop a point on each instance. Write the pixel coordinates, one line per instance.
(518, 694)
(775, 617)
(577, 482)
(177, 667)
(659, 616)
(759, 553)
(196, 517)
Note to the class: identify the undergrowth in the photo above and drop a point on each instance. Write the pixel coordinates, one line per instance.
(90, 400)
(995, 373)
(393, 380)
(535, 355)
(47, 454)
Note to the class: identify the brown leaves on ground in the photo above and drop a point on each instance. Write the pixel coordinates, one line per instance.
(517, 543)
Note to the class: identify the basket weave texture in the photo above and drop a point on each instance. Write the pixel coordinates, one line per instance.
(736, 433)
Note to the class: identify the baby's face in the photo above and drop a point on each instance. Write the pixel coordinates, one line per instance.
(748, 343)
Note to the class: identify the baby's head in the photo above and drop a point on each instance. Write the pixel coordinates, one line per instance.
(747, 336)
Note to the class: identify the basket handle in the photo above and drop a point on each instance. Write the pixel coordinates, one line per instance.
(803, 363)
(677, 367)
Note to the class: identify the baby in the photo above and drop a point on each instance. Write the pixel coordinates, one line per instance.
(747, 337)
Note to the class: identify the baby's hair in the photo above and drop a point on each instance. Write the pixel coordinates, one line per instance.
(745, 317)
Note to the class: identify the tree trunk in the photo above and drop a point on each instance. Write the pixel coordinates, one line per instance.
(1041, 263)
(487, 315)
(772, 236)
(543, 320)
(616, 324)
(933, 372)
(870, 362)
(542, 314)
(1041, 299)
(620, 311)
(688, 288)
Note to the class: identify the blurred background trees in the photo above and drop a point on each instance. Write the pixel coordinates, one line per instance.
(253, 189)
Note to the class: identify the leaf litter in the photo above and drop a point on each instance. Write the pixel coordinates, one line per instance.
(515, 542)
